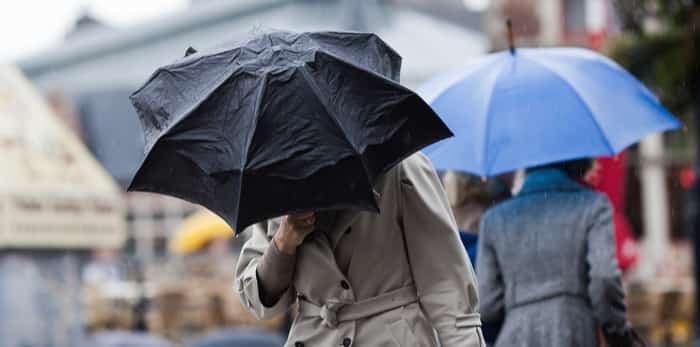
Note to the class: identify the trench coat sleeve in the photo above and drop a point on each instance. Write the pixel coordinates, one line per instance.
(442, 272)
(247, 281)
(489, 275)
(605, 283)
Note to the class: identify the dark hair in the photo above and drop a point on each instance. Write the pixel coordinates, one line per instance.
(575, 169)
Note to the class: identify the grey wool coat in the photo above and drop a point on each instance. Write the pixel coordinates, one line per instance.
(397, 278)
(546, 263)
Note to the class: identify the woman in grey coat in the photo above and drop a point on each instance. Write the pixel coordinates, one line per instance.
(546, 264)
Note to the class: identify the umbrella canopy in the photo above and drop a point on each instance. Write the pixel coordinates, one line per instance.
(538, 106)
(197, 230)
(283, 122)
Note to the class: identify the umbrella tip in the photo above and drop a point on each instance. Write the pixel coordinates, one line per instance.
(190, 51)
(509, 32)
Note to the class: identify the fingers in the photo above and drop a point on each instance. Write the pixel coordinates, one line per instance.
(302, 222)
(301, 215)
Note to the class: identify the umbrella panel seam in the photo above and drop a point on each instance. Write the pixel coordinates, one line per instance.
(578, 96)
(484, 150)
(315, 90)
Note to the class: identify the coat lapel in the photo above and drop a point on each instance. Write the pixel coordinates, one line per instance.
(344, 221)
(346, 218)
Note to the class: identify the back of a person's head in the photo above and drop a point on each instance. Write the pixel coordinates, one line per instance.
(574, 169)
(463, 189)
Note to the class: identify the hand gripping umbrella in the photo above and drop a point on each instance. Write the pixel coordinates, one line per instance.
(281, 123)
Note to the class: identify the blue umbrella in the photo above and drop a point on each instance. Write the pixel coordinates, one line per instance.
(528, 107)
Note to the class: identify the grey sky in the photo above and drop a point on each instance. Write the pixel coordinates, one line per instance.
(28, 26)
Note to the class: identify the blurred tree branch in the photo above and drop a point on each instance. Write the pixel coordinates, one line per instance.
(660, 46)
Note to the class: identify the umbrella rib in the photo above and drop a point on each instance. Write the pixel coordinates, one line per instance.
(386, 79)
(487, 125)
(254, 126)
(579, 96)
(315, 90)
(249, 139)
(190, 109)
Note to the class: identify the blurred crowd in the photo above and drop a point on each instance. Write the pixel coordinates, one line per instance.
(189, 303)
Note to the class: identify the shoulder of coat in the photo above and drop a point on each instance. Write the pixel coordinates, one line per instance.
(599, 201)
(418, 159)
(415, 164)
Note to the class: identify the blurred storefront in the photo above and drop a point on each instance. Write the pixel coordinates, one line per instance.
(56, 203)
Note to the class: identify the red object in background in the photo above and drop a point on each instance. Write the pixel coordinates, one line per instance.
(596, 41)
(687, 178)
(610, 178)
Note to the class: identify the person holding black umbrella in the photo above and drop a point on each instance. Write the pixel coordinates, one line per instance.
(314, 127)
(366, 279)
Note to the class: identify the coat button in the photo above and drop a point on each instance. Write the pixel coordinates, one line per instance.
(298, 344)
(347, 342)
(345, 284)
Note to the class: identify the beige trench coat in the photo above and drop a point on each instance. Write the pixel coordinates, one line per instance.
(412, 244)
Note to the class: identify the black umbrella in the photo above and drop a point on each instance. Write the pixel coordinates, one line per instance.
(284, 122)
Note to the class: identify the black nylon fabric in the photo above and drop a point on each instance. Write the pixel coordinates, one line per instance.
(280, 123)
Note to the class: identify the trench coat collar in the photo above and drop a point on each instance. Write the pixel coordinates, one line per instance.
(548, 180)
(345, 218)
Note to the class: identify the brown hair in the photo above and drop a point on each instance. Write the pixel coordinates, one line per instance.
(463, 188)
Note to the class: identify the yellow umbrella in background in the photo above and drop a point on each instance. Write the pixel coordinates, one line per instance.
(197, 230)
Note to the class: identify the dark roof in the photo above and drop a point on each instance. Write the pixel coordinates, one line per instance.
(90, 47)
(86, 23)
(112, 132)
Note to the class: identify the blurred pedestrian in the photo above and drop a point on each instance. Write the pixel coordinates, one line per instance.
(116, 322)
(610, 178)
(397, 277)
(199, 301)
(104, 267)
(470, 196)
(546, 263)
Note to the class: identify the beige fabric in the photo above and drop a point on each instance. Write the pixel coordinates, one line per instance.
(413, 241)
(331, 315)
(275, 273)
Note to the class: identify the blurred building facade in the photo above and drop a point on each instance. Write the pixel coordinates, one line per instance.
(56, 202)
